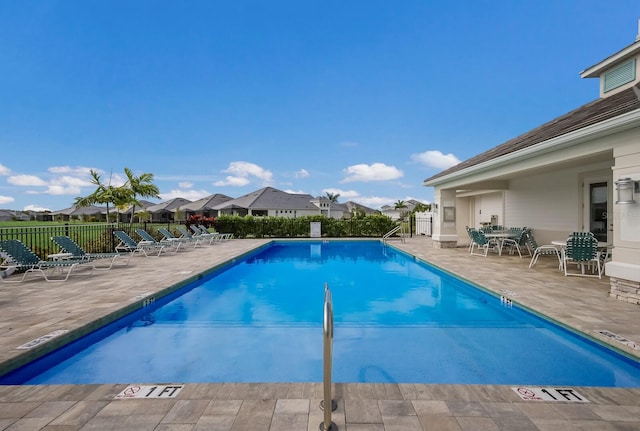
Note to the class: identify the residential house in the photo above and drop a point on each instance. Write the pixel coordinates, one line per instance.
(353, 208)
(167, 211)
(397, 213)
(270, 201)
(80, 213)
(205, 206)
(561, 177)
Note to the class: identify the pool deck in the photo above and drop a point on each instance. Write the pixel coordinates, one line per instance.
(34, 309)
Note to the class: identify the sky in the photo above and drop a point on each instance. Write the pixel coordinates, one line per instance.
(362, 98)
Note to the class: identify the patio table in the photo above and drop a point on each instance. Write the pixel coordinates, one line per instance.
(500, 237)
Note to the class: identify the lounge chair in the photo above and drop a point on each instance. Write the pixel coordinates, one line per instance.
(147, 237)
(168, 236)
(204, 229)
(23, 259)
(582, 249)
(541, 250)
(204, 234)
(70, 246)
(128, 244)
(197, 239)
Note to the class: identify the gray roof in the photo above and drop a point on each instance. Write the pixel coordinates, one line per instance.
(350, 205)
(207, 203)
(169, 205)
(592, 113)
(91, 209)
(269, 198)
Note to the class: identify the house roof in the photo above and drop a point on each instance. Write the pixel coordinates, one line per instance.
(350, 205)
(207, 203)
(269, 198)
(592, 113)
(91, 209)
(168, 205)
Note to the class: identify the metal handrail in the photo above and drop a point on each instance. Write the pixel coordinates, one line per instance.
(391, 232)
(327, 425)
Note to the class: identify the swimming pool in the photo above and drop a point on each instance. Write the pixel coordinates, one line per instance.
(396, 320)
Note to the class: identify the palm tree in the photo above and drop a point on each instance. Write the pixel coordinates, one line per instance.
(103, 194)
(399, 205)
(140, 186)
(333, 198)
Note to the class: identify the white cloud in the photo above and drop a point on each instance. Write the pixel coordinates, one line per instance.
(232, 181)
(302, 173)
(26, 180)
(66, 180)
(192, 195)
(6, 200)
(63, 190)
(33, 207)
(185, 184)
(78, 170)
(374, 172)
(344, 194)
(4, 170)
(435, 159)
(295, 192)
(241, 172)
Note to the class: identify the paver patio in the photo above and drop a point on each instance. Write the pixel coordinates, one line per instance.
(33, 309)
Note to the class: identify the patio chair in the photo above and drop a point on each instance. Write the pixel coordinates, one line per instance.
(204, 229)
(70, 246)
(168, 236)
(470, 234)
(197, 239)
(541, 250)
(482, 242)
(205, 235)
(582, 250)
(128, 244)
(23, 259)
(148, 238)
(518, 242)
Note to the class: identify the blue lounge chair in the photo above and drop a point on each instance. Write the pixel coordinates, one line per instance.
(146, 236)
(168, 236)
(23, 259)
(68, 245)
(204, 234)
(128, 244)
(222, 236)
(186, 234)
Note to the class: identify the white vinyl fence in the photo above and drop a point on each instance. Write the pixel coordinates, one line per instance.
(424, 223)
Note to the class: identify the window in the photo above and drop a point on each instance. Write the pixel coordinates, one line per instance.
(621, 75)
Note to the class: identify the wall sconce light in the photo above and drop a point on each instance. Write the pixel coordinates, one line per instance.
(625, 188)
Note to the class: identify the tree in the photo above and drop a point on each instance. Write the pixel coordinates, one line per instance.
(103, 194)
(333, 198)
(399, 205)
(140, 186)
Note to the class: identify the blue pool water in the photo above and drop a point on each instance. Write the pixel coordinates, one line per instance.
(396, 320)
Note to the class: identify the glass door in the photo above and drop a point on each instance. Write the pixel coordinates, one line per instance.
(598, 210)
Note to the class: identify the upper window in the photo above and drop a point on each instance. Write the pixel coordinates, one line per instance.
(621, 75)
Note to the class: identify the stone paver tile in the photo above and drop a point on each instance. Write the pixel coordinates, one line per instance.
(466, 408)
(254, 415)
(215, 423)
(514, 423)
(431, 408)
(80, 413)
(137, 406)
(536, 410)
(396, 408)
(223, 407)
(28, 424)
(292, 407)
(477, 424)
(290, 422)
(50, 409)
(439, 423)
(102, 423)
(401, 423)
(615, 413)
(148, 422)
(362, 411)
(185, 412)
(174, 427)
(567, 425)
(366, 427)
(577, 412)
(16, 410)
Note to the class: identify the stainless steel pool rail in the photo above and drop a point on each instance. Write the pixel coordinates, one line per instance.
(327, 425)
